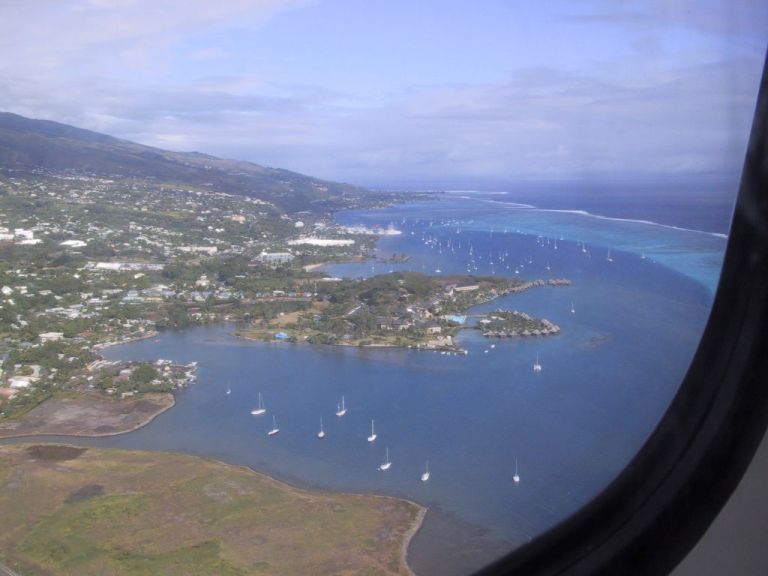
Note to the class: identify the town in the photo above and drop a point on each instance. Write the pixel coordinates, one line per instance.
(89, 262)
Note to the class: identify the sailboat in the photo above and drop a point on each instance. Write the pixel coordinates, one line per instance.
(387, 463)
(372, 437)
(536, 365)
(321, 434)
(260, 409)
(608, 257)
(341, 409)
(275, 429)
(573, 310)
(516, 477)
(425, 475)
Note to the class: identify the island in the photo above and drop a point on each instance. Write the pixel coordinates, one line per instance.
(176, 514)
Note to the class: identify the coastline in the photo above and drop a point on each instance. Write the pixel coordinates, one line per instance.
(453, 349)
(311, 267)
(102, 345)
(409, 535)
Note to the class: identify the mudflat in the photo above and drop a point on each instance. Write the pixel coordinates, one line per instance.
(87, 415)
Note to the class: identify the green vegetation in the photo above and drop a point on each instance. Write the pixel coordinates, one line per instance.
(92, 512)
(504, 323)
(88, 261)
(397, 309)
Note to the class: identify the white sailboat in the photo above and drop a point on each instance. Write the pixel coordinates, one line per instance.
(372, 437)
(516, 477)
(275, 429)
(537, 365)
(321, 434)
(425, 475)
(258, 411)
(573, 309)
(341, 409)
(608, 257)
(387, 463)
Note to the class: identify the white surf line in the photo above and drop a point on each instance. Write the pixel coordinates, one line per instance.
(600, 217)
(635, 221)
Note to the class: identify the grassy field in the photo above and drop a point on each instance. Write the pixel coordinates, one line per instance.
(78, 511)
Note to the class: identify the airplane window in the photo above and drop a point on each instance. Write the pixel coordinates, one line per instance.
(325, 287)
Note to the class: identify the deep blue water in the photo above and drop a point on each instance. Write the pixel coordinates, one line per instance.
(606, 380)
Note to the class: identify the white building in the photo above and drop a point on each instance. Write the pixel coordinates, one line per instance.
(73, 243)
(210, 250)
(51, 336)
(23, 234)
(19, 382)
(320, 242)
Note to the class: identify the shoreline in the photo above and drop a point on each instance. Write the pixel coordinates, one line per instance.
(102, 345)
(410, 534)
(460, 351)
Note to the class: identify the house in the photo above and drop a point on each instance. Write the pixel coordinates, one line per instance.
(19, 382)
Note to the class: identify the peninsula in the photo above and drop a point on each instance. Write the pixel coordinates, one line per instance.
(400, 309)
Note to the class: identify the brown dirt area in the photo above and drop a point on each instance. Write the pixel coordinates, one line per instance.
(87, 415)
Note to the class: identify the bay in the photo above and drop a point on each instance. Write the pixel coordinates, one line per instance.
(606, 380)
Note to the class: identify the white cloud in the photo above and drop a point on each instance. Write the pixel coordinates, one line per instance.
(55, 37)
(109, 66)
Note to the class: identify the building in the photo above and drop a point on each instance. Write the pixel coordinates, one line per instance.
(209, 250)
(73, 243)
(51, 336)
(19, 382)
(274, 258)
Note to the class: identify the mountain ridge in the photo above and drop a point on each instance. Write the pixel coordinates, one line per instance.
(29, 144)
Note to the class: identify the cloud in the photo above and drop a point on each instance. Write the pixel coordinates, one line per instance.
(53, 37)
(745, 19)
(112, 67)
(546, 123)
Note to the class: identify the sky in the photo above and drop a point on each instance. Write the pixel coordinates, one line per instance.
(389, 93)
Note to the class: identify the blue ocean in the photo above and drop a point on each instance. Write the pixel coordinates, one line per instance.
(641, 292)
